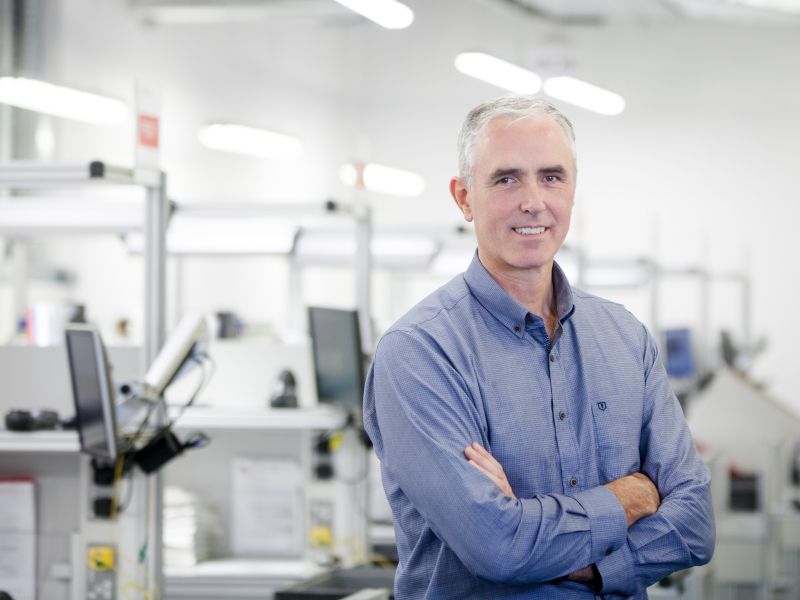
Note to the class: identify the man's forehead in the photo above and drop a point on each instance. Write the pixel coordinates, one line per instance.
(500, 125)
(503, 123)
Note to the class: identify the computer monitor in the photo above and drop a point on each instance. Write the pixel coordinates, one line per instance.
(679, 355)
(92, 390)
(338, 361)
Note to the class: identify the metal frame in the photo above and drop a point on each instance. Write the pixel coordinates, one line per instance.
(18, 175)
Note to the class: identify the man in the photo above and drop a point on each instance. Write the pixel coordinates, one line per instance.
(530, 445)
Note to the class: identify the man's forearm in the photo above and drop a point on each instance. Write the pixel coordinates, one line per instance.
(637, 495)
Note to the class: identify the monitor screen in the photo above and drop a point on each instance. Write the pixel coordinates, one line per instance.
(338, 361)
(679, 356)
(92, 391)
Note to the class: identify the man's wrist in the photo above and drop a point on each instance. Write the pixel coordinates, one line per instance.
(589, 575)
(597, 579)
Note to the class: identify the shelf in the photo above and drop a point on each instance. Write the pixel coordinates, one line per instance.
(260, 418)
(236, 578)
(205, 418)
(38, 441)
(33, 174)
(244, 568)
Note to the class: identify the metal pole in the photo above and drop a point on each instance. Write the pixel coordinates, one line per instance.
(747, 332)
(364, 274)
(7, 37)
(705, 311)
(155, 231)
(655, 301)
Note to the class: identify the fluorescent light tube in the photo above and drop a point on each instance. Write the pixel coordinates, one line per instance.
(451, 261)
(389, 250)
(348, 174)
(59, 101)
(620, 275)
(382, 179)
(34, 214)
(386, 13)
(223, 236)
(250, 141)
(498, 72)
(585, 95)
(791, 7)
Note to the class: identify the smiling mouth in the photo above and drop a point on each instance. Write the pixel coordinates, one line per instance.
(530, 230)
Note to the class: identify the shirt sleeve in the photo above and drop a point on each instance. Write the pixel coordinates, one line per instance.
(681, 533)
(420, 416)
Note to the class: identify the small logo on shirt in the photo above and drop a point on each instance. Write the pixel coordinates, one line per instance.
(602, 405)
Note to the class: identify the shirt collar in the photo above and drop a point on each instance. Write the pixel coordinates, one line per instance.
(503, 307)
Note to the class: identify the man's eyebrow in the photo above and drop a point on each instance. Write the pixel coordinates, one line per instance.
(508, 172)
(554, 170)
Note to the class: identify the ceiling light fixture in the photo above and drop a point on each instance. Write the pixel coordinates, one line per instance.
(58, 101)
(388, 250)
(382, 179)
(223, 236)
(791, 7)
(386, 13)
(498, 72)
(241, 139)
(585, 95)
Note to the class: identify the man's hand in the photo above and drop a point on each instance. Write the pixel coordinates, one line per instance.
(588, 575)
(637, 495)
(486, 463)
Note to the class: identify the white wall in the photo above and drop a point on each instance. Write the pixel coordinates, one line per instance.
(701, 169)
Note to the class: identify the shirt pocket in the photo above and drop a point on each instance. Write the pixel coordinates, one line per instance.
(616, 436)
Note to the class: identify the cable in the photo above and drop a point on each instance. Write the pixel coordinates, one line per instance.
(206, 360)
(129, 492)
(112, 514)
(142, 425)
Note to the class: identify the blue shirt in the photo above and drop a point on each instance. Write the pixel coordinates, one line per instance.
(563, 417)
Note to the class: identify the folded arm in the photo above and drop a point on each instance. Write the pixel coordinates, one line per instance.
(636, 494)
(420, 422)
(681, 533)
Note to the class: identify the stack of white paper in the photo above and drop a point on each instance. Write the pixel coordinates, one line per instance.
(191, 529)
(17, 538)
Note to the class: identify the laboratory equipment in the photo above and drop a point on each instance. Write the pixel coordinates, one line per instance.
(190, 334)
(338, 360)
(95, 411)
(679, 355)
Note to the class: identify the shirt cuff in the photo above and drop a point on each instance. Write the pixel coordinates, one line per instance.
(617, 572)
(607, 520)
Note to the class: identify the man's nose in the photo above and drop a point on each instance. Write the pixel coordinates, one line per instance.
(532, 199)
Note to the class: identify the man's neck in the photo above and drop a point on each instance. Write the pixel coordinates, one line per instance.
(533, 289)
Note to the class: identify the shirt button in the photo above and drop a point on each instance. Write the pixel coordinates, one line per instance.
(517, 328)
(609, 551)
(552, 358)
(573, 482)
(562, 415)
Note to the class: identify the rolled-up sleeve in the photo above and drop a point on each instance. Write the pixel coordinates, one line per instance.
(420, 416)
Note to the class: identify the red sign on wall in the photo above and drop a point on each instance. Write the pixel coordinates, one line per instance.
(148, 131)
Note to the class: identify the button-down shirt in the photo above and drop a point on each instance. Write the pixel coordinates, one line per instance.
(563, 417)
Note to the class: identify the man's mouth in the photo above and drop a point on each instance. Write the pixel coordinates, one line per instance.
(530, 230)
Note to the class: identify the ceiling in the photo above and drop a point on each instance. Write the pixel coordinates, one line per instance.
(573, 12)
(649, 11)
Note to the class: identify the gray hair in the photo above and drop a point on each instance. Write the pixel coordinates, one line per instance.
(516, 106)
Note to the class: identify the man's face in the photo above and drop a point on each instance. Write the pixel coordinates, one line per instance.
(523, 186)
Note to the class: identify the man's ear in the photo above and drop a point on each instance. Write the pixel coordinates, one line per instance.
(460, 194)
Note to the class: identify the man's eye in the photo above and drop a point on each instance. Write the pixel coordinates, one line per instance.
(552, 178)
(505, 180)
